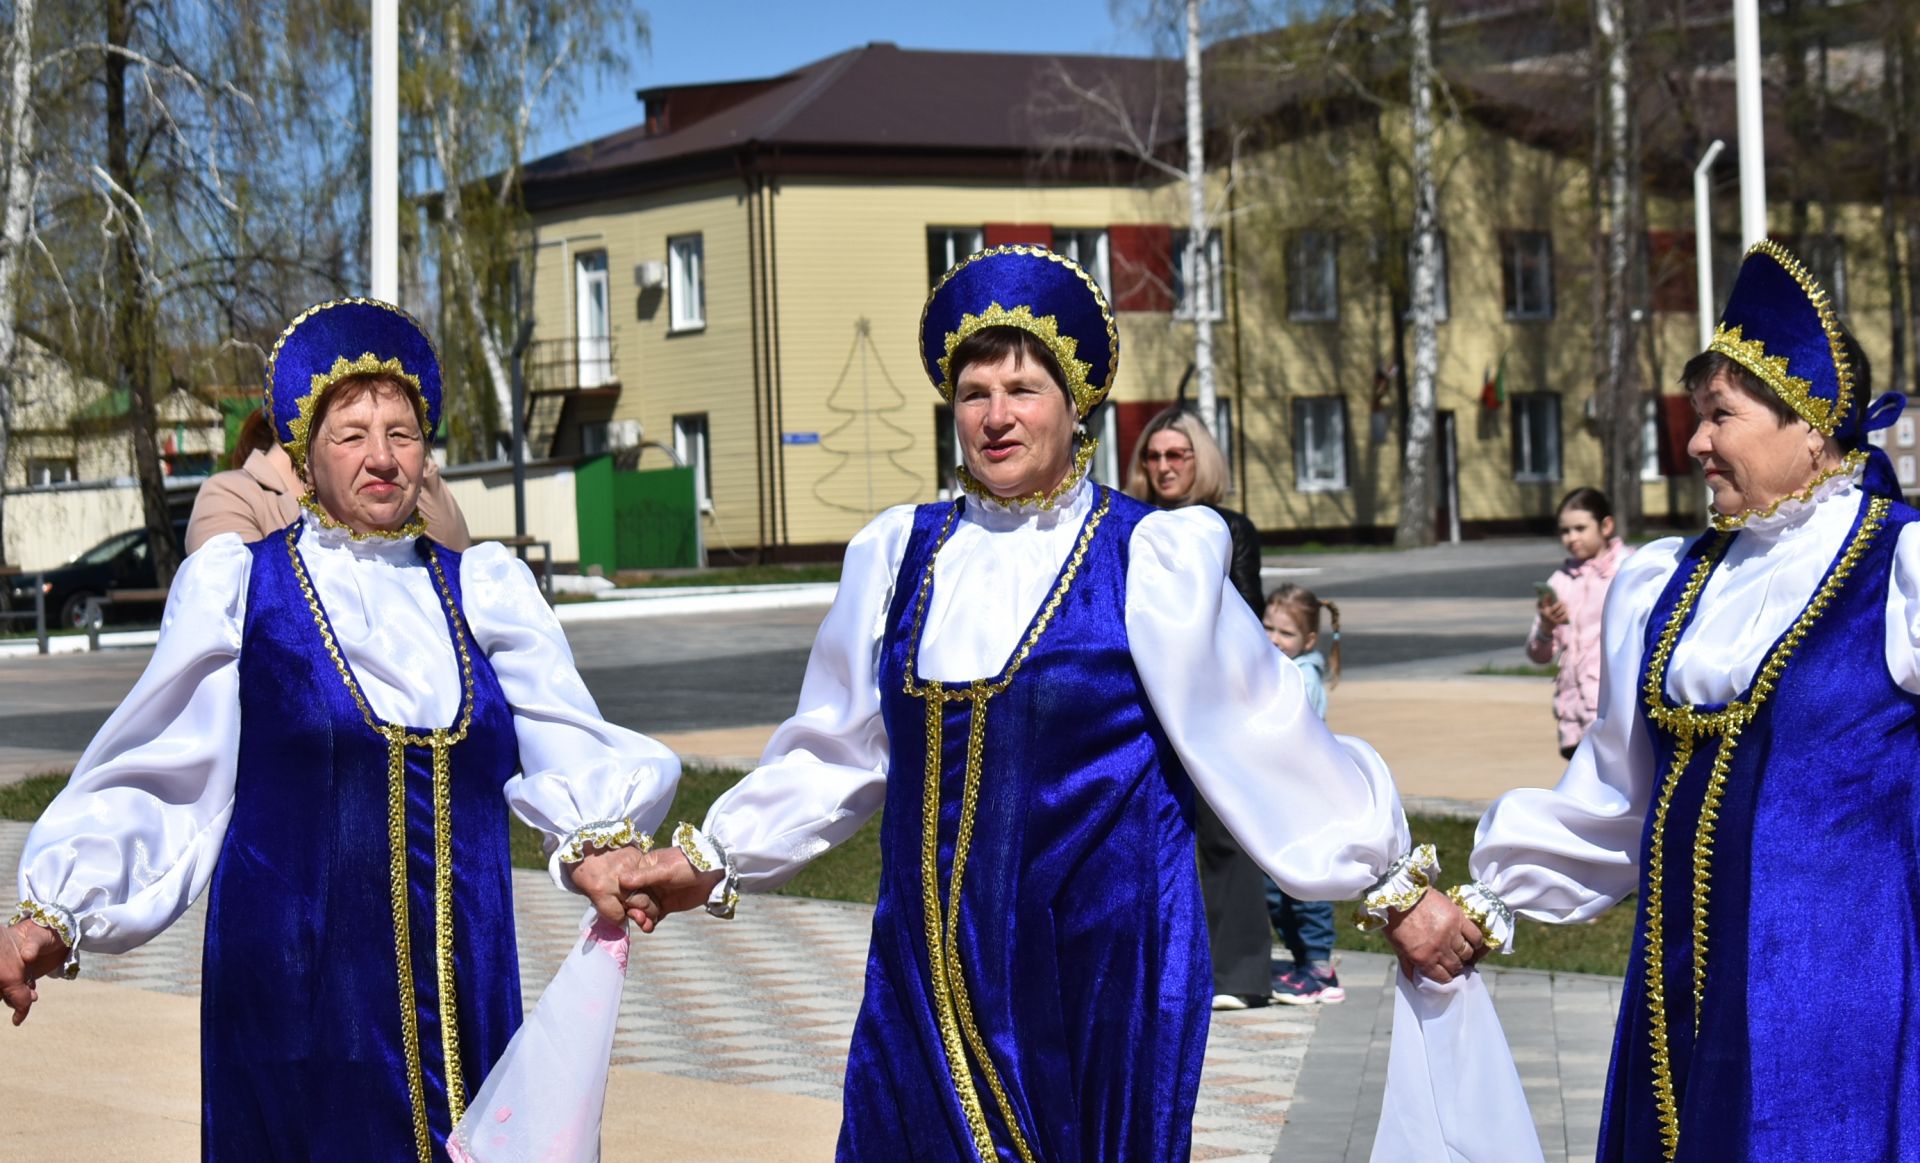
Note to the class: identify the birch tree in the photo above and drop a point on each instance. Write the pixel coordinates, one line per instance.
(18, 128)
(1199, 229)
(1618, 386)
(480, 77)
(1416, 522)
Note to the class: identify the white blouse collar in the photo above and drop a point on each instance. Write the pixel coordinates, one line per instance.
(328, 534)
(1795, 511)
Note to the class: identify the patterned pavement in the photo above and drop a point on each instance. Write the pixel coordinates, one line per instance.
(767, 1001)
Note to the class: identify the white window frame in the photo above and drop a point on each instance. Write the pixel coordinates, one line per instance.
(1902, 432)
(692, 438)
(1320, 444)
(1089, 247)
(1108, 463)
(1650, 439)
(1540, 244)
(47, 471)
(1183, 275)
(687, 283)
(1322, 249)
(1525, 468)
(956, 243)
(592, 319)
(1904, 469)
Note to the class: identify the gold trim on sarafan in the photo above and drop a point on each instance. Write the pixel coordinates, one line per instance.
(953, 1008)
(439, 743)
(1689, 726)
(1043, 500)
(1751, 353)
(1851, 463)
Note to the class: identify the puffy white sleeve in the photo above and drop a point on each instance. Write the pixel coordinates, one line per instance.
(131, 841)
(1903, 611)
(1318, 811)
(1571, 852)
(825, 769)
(582, 779)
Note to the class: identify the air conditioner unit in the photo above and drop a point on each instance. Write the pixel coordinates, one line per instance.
(623, 434)
(650, 276)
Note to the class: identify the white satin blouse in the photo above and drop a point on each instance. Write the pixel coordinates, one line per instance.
(131, 841)
(1317, 811)
(1571, 852)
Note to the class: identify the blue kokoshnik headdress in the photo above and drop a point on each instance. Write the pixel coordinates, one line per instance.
(1781, 326)
(1042, 293)
(332, 341)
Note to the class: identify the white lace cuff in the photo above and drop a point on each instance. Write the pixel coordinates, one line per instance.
(1405, 882)
(1487, 911)
(707, 854)
(62, 924)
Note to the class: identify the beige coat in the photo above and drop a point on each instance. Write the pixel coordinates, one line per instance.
(264, 495)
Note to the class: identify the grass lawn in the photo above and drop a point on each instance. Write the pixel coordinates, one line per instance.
(1524, 670)
(746, 575)
(851, 872)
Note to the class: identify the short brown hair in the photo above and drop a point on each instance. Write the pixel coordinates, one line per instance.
(351, 388)
(1209, 466)
(993, 344)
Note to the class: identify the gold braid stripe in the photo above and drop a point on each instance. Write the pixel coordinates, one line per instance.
(1042, 500)
(963, 841)
(440, 743)
(1668, 1110)
(1688, 725)
(1849, 464)
(936, 948)
(952, 1005)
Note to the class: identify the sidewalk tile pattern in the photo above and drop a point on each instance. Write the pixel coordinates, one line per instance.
(768, 1000)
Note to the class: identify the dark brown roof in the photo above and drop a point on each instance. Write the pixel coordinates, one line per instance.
(874, 102)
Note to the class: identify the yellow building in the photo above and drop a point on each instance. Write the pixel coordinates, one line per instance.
(738, 279)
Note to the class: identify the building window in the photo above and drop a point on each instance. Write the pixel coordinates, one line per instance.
(1905, 471)
(1903, 431)
(690, 445)
(946, 453)
(1536, 437)
(1526, 269)
(1826, 258)
(593, 318)
(947, 245)
(1089, 249)
(1313, 276)
(1183, 257)
(1320, 443)
(51, 471)
(687, 282)
(1108, 464)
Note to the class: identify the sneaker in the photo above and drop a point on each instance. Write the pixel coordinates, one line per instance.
(1308, 985)
(1234, 1001)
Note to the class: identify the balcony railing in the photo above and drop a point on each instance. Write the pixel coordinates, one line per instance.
(566, 365)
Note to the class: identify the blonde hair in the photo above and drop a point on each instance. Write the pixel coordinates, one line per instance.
(1299, 603)
(1209, 466)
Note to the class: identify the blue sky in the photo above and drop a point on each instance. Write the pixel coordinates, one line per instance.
(716, 40)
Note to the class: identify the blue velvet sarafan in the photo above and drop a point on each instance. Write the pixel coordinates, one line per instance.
(1038, 982)
(303, 1044)
(1772, 1003)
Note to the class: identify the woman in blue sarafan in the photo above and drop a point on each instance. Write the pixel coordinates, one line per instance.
(1752, 772)
(330, 733)
(1035, 678)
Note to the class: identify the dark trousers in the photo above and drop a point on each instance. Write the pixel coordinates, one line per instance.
(1234, 889)
(1305, 926)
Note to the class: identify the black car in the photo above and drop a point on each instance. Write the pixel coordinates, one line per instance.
(121, 562)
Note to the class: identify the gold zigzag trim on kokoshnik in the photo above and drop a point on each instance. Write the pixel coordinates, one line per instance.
(952, 1006)
(440, 743)
(1045, 328)
(1688, 726)
(1752, 354)
(366, 364)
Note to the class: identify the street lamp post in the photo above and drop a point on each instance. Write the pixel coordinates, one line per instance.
(1753, 145)
(1703, 238)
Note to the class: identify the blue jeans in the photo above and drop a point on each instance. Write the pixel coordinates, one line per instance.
(1305, 926)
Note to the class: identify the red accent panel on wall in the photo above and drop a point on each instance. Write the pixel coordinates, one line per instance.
(1009, 233)
(1670, 270)
(1129, 420)
(1675, 429)
(1142, 267)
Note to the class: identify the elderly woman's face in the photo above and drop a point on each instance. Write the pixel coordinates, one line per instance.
(1750, 458)
(367, 459)
(1016, 427)
(1170, 466)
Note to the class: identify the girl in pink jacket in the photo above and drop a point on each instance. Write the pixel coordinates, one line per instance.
(1567, 624)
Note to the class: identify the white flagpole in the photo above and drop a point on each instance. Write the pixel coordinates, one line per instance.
(383, 267)
(1753, 145)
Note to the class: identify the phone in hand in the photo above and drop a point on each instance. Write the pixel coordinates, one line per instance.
(1543, 591)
